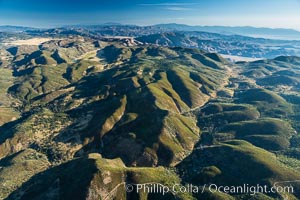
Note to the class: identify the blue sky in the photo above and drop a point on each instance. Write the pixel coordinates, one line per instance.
(51, 13)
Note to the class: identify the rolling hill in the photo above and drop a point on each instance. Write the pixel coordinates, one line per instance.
(84, 116)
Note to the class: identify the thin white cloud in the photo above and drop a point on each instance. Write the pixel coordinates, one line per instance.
(169, 4)
(173, 8)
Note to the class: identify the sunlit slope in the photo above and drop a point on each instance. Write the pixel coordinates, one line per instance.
(108, 96)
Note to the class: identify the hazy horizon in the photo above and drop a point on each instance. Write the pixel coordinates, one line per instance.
(55, 13)
(141, 25)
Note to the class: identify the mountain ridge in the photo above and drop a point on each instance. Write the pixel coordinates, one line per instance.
(263, 32)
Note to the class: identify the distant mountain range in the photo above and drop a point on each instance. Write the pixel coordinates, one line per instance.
(134, 30)
(237, 47)
(234, 45)
(277, 33)
(8, 28)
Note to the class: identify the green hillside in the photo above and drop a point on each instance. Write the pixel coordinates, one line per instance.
(81, 117)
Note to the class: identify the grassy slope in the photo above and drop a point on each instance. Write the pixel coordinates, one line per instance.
(7, 112)
(258, 166)
(102, 179)
(19, 168)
